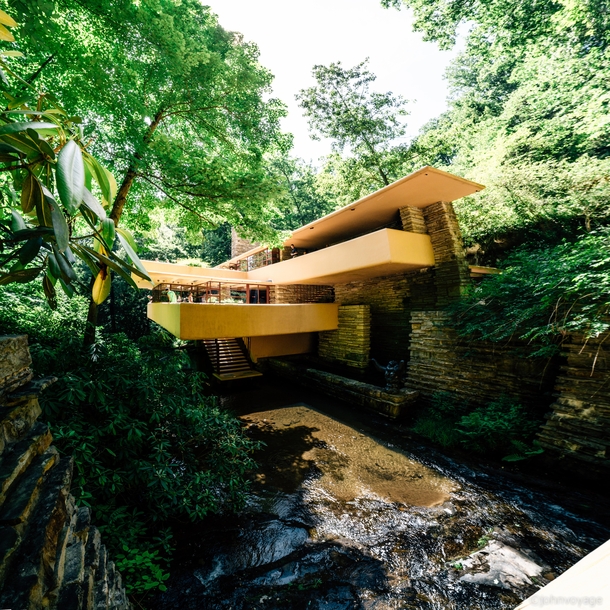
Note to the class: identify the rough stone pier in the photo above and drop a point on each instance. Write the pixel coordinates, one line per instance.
(50, 554)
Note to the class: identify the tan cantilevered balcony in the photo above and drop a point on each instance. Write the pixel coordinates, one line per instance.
(192, 321)
(384, 252)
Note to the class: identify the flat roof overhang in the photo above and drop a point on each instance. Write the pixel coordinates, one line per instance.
(419, 189)
(384, 252)
(196, 321)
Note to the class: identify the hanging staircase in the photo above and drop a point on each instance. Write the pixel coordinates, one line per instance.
(229, 359)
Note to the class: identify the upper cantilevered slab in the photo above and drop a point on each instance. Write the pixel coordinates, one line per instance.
(170, 273)
(419, 189)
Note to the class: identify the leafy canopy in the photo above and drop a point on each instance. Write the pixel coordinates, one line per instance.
(47, 186)
(176, 103)
(366, 124)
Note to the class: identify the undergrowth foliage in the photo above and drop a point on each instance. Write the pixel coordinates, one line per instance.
(502, 427)
(150, 449)
(543, 295)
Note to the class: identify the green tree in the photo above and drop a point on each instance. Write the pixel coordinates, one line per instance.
(48, 173)
(306, 197)
(365, 124)
(528, 117)
(177, 102)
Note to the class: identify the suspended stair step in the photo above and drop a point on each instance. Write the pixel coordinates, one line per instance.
(229, 359)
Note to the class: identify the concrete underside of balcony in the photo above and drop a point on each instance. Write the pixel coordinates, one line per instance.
(194, 321)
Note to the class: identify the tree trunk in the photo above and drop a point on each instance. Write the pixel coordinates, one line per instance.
(116, 213)
(91, 324)
(132, 172)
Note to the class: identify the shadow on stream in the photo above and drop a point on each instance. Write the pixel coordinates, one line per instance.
(347, 511)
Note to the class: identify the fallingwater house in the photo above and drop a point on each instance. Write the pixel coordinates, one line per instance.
(372, 280)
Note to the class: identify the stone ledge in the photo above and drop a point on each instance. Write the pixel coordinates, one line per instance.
(363, 394)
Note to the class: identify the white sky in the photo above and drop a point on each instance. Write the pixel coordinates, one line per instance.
(293, 36)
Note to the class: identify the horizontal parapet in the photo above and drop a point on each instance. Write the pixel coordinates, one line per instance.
(194, 321)
(384, 252)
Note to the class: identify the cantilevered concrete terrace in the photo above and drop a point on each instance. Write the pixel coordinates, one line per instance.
(353, 243)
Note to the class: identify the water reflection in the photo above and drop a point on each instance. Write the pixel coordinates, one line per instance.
(351, 464)
(345, 513)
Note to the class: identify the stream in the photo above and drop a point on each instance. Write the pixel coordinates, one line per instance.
(348, 511)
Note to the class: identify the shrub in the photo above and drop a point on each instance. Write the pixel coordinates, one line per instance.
(542, 295)
(495, 428)
(150, 449)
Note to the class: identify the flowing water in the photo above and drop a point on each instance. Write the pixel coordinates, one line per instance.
(347, 511)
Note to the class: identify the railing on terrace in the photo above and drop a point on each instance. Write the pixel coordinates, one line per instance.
(211, 292)
(263, 258)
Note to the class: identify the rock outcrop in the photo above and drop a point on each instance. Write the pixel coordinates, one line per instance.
(51, 556)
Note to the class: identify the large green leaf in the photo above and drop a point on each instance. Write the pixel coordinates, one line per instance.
(67, 288)
(17, 222)
(129, 237)
(135, 260)
(21, 142)
(7, 148)
(31, 194)
(70, 176)
(89, 261)
(94, 205)
(67, 273)
(28, 233)
(43, 146)
(53, 266)
(58, 220)
(23, 276)
(122, 269)
(43, 128)
(108, 232)
(101, 176)
(30, 250)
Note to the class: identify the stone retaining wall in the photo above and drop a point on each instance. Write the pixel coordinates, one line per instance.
(451, 273)
(392, 405)
(350, 343)
(50, 554)
(388, 299)
(475, 372)
(578, 427)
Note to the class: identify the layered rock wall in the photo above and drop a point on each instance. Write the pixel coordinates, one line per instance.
(578, 427)
(50, 554)
(474, 372)
(389, 301)
(349, 345)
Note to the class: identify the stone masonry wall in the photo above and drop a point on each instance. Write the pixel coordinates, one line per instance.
(412, 219)
(50, 554)
(301, 293)
(388, 299)
(350, 343)
(239, 245)
(451, 273)
(578, 427)
(475, 372)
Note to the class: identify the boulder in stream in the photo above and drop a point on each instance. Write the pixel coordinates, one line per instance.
(500, 565)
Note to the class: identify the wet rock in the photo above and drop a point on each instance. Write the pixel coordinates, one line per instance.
(499, 565)
(257, 545)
